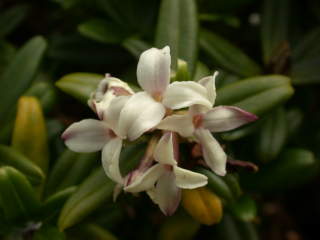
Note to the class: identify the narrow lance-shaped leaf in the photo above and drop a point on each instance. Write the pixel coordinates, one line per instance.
(96, 189)
(102, 31)
(274, 27)
(292, 168)
(17, 197)
(79, 85)
(227, 56)
(11, 157)
(27, 60)
(244, 208)
(272, 136)
(135, 46)
(178, 28)
(257, 94)
(30, 133)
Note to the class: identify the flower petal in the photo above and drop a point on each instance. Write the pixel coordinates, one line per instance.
(110, 159)
(107, 90)
(153, 70)
(167, 194)
(209, 83)
(163, 152)
(184, 94)
(213, 154)
(146, 180)
(225, 118)
(112, 113)
(189, 180)
(140, 114)
(88, 135)
(181, 124)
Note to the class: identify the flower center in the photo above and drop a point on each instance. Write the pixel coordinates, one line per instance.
(157, 96)
(197, 120)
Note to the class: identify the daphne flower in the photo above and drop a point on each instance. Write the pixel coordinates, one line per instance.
(164, 180)
(199, 122)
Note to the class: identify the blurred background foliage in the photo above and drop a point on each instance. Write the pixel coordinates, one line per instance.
(52, 55)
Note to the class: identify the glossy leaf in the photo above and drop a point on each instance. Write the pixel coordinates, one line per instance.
(11, 157)
(292, 168)
(17, 196)
(135, 46)
(257, 95)
(178, 28)
(244, 208)
(61, 177)
(102, 31)
(30, 124)
(27, 60)
(272, 136)
(96, 232)
(274, 26)
(227, 56)
(79, 85)
(95, 190)
(45, 93)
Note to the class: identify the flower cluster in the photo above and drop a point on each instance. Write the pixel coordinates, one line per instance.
(125, 115)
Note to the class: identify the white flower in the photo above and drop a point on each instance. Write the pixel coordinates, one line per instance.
(199, 122)
(164, 180)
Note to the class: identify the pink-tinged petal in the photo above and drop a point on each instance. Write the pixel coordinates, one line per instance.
(167, 194)
(146, 180)
(184, 94)
(110, 159)
(107, 90)
(153, 70)
(181, 124)
(189, 180)
(112, 113)
(88, 135)
(163, 152)
(210, 84)
(213, 153)
(225, 118)
(140, 114)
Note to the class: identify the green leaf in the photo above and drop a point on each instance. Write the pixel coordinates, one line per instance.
(305, 59)
(17, 197)
(79, 85)
(227, 56)
(244, 208)
(7, 52)
(272, 136)
(102, 31)
(257, 95)
(96, 232)
(61, 177)
(56, 201)
(201, 71)
(30, 124)
(11, 18)
(274, 26)
(178, 28)
(45, 93)
(13, 158)
(218, 185)
(292, 168)
(135, 46)
(242, 132)
(48, 232)
(27, 60)
(95, 190)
